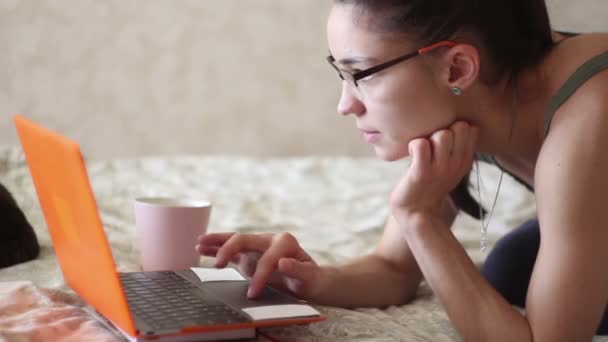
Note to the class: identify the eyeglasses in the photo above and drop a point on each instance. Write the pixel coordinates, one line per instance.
(356, 76)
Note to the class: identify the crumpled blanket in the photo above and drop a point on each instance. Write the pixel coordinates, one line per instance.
(30, 313)
(336, 207)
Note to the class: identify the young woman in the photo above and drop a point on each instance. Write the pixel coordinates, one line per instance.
(444, 82)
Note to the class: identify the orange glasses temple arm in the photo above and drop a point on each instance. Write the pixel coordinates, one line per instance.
(443, 43)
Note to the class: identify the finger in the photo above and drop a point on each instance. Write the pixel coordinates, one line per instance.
(462, 135)
(214, 238)
(248, 262)
(420, 151)
(302, 270)
(299, 276)
(472, 142)
(211, 251)
(206, 250)
(442, 144)
(242, 243)
(284, 245)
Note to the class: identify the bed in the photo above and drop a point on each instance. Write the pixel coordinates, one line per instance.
(336, 207)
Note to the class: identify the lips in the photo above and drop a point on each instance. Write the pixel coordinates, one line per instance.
(370, 135)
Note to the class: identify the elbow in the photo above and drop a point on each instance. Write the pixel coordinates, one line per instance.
(406, 280)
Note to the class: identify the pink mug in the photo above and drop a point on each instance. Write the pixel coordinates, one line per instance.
(167, 229)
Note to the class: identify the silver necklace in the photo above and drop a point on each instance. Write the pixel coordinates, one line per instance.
(484, 226)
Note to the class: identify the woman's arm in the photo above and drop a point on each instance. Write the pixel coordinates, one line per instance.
(389, 276)
(568, 291)
(569, 286)
(478, 312)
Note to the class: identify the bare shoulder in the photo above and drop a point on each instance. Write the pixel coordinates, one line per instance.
(571, 186)
(579, 128)
(569, 55)
(587, 108)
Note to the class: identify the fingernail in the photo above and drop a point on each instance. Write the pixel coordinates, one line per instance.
(249, 292)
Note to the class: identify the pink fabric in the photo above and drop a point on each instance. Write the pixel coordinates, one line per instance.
(29, 313)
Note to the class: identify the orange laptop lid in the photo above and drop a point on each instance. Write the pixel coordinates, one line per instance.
(61, 181)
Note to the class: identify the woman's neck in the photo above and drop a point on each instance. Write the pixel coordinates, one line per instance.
(511, 117)
(513, 114)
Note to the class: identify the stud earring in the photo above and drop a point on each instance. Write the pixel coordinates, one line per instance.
(456, 91)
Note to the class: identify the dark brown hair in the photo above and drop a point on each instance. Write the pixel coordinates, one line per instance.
(512, 34)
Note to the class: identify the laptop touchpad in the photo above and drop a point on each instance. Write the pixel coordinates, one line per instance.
(234, 293)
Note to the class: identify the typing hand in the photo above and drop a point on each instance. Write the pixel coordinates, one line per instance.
(274, 259)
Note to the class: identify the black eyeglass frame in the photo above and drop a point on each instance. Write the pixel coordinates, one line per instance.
(370, 71)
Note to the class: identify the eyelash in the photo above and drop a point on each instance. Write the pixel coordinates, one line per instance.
(367, 78)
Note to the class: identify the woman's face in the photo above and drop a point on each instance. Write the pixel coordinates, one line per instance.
(393, 106)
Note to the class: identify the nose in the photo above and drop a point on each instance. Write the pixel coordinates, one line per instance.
(349, 101)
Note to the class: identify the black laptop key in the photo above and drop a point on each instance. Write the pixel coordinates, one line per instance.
(165, 300)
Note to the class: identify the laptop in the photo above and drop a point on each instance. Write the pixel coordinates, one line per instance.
(159, 306)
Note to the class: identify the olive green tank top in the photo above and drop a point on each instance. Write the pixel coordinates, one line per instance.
(586, 71)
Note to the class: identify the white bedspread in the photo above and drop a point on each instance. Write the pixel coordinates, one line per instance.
(336, 207)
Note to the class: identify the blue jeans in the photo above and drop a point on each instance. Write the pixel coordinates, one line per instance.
(509, 266)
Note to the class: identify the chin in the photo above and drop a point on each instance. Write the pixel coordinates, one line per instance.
(390, 155)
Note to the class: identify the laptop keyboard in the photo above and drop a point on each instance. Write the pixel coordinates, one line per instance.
(165, 301)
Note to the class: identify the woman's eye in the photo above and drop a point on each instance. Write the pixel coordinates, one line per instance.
(366, 78)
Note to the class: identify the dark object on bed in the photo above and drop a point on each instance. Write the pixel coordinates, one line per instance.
(18, 242)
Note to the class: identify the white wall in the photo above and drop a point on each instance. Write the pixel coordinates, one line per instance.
(134, 77)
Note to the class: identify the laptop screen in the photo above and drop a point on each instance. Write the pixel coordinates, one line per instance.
(60, 177)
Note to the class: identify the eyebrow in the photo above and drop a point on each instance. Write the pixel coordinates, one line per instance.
(356, 60)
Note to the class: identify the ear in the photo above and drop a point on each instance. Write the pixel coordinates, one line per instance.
(462, 63)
